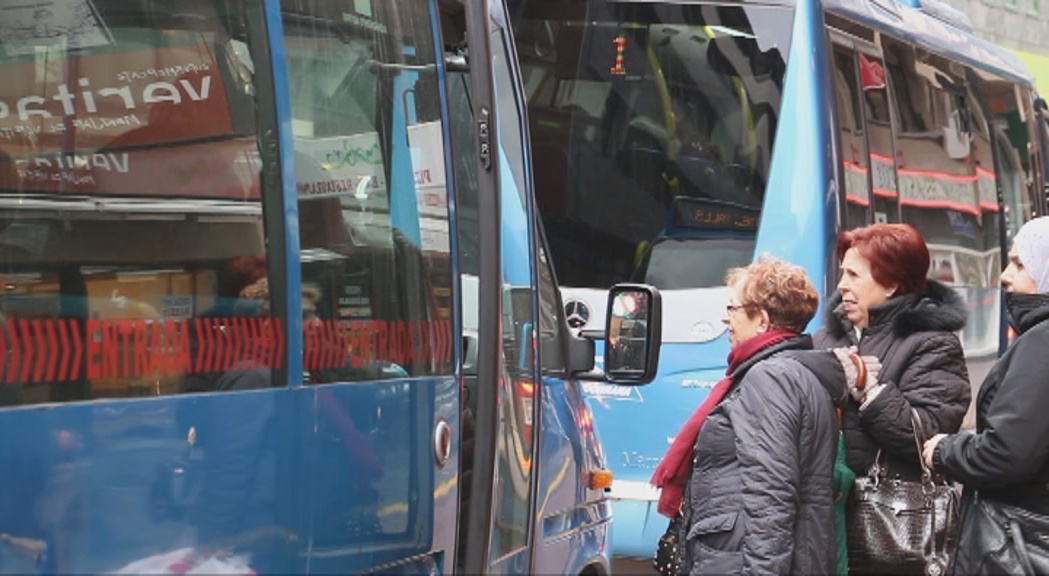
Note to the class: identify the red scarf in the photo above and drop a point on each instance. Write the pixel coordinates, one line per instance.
(672, 473)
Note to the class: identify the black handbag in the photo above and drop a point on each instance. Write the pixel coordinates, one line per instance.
(998, 538)
(897, 526)
(670, 552)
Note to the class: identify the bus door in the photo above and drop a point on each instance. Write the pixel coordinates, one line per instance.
(381, 386)
(500, 535)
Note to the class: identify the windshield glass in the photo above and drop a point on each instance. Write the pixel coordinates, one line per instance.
(635, 107)
(693, 263)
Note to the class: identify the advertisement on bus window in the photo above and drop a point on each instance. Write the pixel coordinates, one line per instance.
(137, 122)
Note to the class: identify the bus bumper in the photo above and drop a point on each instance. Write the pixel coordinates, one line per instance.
(638, 525)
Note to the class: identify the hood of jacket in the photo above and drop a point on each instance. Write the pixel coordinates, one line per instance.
(938, 308)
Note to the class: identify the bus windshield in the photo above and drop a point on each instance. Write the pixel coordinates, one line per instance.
(636, 107)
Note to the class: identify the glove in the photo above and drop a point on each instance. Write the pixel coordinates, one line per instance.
(861, 372)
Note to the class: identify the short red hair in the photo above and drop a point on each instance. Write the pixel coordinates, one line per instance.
(241, 272)
(897, 254)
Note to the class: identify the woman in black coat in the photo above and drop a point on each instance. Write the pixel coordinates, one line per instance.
(885, 307)
(1006, 462)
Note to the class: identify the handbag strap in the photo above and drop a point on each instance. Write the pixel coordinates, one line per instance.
(919, 443)
(880, 468)
(938, 549)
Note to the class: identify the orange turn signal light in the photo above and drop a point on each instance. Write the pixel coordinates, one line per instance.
(600, 479)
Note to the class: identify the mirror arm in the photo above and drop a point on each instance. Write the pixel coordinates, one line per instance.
(595, 375)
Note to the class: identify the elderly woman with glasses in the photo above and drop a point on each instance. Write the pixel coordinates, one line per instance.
(749, 476)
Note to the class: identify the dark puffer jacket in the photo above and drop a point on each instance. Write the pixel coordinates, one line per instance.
(923, 367)
(1008, 459)
(760, 496)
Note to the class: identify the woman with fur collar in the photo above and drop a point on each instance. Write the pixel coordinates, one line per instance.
(887, 308)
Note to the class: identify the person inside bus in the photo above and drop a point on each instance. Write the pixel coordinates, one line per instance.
(751, 471)
(1007, 459)
(243, 293)
(887, 308)
(689, 140)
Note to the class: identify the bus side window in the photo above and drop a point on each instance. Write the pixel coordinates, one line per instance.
(946, 173)
(880, 144)
(141, 268)
(855, 166)
(1016, 174)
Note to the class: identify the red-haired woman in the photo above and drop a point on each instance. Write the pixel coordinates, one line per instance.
(886, 307)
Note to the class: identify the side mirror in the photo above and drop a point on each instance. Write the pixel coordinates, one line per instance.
(633, 334)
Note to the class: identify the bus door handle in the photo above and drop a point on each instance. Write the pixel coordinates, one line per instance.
(442, 442)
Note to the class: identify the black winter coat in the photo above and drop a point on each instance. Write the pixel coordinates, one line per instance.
(923, 367)
(1008, 458)
(760, 497)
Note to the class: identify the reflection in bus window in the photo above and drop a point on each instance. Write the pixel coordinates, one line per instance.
(132, 244)
(369, 163)
(633, 106)
(946, 174)
(856, 173)
(885, 197)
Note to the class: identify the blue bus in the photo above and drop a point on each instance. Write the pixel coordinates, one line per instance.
(783, 122)
(275, 297)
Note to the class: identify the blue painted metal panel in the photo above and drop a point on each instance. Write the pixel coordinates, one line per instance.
(104, 485)
(404, 206)
(453, 205)
(574, 521)
(372, 471)
(517, 268)
(293, 280)
(802, 193)
(448, 397)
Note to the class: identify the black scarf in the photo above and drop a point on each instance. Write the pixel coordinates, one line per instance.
(1026, 310)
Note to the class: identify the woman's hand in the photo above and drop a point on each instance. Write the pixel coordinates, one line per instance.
(859, 371)
(930, 448)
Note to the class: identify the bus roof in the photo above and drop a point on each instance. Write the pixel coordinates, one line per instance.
(929, 24)
(936, 29)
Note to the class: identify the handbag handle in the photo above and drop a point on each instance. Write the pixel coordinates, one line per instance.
(879, 470)
(928, 474)
(919, 442)
(938, 549)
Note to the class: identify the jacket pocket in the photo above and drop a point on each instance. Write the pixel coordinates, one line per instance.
(707, 560)
(720, 531)
(714, 543)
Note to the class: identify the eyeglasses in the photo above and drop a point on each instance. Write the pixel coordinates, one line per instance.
(733, 307)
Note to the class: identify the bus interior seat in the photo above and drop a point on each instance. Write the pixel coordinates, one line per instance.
(644, 165)
(699, 175)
